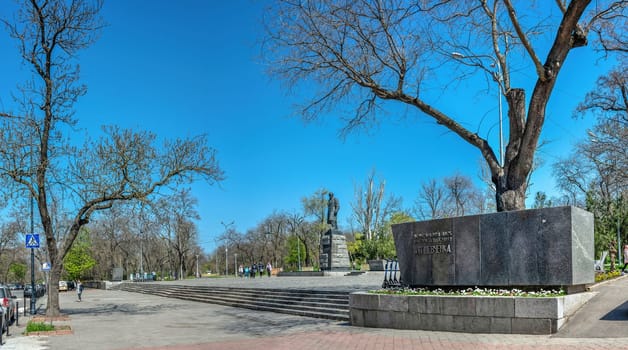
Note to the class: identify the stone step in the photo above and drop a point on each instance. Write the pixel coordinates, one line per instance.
(317, 304)
(293, 295)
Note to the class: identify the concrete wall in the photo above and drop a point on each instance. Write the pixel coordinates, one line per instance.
(540, 247)
(469, 314)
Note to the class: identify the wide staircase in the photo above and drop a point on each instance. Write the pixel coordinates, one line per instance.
(333, 305)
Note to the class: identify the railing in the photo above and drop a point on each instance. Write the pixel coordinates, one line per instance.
(392, 277)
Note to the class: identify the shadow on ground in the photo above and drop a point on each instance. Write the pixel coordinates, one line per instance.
(112, 309)
(619, 313)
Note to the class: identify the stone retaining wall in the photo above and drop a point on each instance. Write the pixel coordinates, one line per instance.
(469, 314)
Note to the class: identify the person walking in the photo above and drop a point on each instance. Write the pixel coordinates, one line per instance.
(269, 269)
(79, 289)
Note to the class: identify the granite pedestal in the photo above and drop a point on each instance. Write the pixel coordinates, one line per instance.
(549, 247)
(334, 254)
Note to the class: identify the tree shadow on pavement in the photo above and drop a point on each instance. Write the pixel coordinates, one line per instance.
(619, 313)
(115, 308)
(263, 323)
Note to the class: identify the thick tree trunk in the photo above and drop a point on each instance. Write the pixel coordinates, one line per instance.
(53, 307)
(511, 180)
(511, 199)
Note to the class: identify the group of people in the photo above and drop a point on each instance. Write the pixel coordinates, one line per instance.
(254, 270)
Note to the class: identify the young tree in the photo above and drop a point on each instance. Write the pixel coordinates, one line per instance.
(541, 201)
(17, 272)
(36, 156)
(314, 207)
(366, 52)
(79, 259)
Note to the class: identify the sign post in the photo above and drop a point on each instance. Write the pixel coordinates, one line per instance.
(32, 242)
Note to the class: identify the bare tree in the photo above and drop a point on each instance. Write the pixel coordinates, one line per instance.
(275, 232)
(109, 232)
(456, 196)
(609, 98)
(176, 215)
(598, 164)
(36, 156)
(370, 207)
(367, 52)
(608, 101)
(430, 200)
(460, 190)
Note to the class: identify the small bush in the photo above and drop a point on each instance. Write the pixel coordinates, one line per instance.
(39, 327)
(599, 277)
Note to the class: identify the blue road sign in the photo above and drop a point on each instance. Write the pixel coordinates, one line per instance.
(32, 240)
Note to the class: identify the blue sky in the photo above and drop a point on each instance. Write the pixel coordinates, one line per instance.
(181, 68)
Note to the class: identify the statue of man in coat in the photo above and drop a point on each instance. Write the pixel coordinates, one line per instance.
(332, 210)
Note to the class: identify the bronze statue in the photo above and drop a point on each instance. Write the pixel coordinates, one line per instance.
(332, 211)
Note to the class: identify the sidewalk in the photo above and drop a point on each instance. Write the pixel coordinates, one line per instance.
(107, 320)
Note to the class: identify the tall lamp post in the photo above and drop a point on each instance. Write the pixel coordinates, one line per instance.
(197, 275)
(226, 226)
(299, 252)
(500, 80)
(33, 297)
(235, 266)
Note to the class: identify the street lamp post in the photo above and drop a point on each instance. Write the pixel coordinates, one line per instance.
(499, 99)
(235, 266)
(226, 226)
(33, 304)
(619, 250)
(197, 275)
(500, 80)
(299, 251)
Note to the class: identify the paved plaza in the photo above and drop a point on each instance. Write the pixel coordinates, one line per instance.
(109, 319)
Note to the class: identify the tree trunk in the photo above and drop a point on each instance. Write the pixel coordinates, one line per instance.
(512, 199)
(53, 308)
(511, 179)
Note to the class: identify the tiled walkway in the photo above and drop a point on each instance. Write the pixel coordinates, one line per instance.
(107, 320)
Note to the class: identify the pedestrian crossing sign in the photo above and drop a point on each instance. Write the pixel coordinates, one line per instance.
(32, 240)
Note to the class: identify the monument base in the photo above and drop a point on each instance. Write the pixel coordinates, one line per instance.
(334, 254)
(549, 247)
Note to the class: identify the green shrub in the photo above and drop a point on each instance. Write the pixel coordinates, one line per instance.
(39, 327)
(599, 277)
